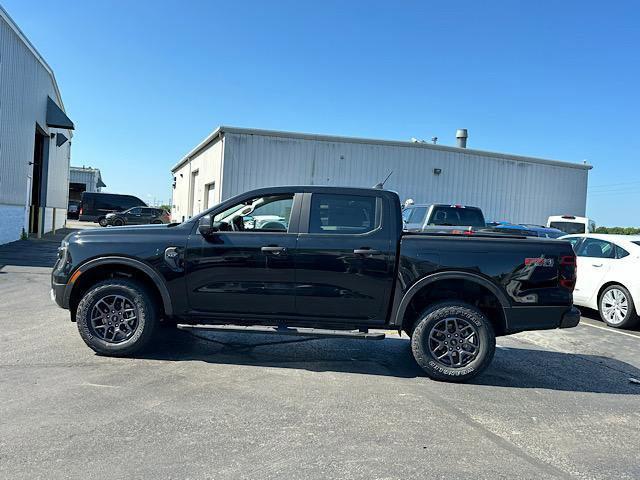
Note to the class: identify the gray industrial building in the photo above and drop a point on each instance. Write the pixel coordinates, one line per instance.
(507, 187)
(35, 135)
(84, 179)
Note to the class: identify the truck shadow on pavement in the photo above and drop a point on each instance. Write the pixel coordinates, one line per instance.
(511, 367)
(30, 253)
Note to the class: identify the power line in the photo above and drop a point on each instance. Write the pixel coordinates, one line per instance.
(615, 184)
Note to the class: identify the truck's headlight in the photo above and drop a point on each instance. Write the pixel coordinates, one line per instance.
(62, 250)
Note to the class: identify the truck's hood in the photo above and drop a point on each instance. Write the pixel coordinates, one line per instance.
(131, 229)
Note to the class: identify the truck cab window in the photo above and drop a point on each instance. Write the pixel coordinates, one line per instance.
(265, 214)
(342, 214)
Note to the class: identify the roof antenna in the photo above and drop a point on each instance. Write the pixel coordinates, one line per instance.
(380, 185)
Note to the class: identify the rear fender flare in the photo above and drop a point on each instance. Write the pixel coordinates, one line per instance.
(436, 277)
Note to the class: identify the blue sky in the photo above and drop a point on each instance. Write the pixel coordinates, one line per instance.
(145, 81)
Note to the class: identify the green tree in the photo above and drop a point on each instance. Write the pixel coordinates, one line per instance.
(619, 230)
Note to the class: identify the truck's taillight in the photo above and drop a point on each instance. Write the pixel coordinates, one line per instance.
(568, 260)
(568, 271)
(80, 210)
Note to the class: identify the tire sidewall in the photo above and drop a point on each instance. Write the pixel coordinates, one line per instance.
(631, 312)
(118, 222)
(103, 222)
(438, 312)
(134, 293)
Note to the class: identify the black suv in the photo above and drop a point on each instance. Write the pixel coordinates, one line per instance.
(137, 216)
(94, 206)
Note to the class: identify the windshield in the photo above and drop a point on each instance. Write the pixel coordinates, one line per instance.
(568, 227)
(471, 217)
(416, 215)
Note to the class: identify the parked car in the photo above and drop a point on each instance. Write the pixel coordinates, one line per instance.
(138, 216)
(342, 267)
(442, 218)
(542, 231)
(73, 209)
(571, 224)
(528, 230)
(608, 279)
(94, 206)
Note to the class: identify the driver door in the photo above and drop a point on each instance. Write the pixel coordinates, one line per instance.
(246, 269)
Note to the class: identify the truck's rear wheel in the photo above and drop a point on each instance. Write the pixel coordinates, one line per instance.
(116, 317)
(453, 341)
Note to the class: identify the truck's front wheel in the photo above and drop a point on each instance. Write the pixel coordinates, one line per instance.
(116, 317)
(453, 341)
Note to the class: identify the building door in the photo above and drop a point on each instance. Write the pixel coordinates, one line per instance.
(210, 193)
(194, 202)
(37, 181)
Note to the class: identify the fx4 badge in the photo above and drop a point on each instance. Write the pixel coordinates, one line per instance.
(172, 256)
(540, 262)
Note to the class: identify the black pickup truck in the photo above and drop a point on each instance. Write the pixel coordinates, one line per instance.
(315, 261)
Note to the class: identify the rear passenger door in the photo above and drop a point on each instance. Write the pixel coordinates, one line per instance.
(344, 259)
(148, 214)
(594, 259)
(133, 215)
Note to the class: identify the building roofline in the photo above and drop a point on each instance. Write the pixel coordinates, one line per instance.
(13, 26)
(221, 130)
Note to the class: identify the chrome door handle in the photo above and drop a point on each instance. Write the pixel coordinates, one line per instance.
(273, 249)
(366, 251)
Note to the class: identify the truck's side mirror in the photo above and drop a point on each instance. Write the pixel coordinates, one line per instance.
(206, 225)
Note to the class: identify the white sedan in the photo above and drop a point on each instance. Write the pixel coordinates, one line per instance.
(608, 276)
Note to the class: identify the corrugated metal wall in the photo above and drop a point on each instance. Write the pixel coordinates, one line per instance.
(88, 177)
(24, 87)
(506, 189)
(208, 164)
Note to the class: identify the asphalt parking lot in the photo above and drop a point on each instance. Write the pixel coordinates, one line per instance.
(555, 404)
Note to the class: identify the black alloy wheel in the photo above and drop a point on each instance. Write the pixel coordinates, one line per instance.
(453, 341)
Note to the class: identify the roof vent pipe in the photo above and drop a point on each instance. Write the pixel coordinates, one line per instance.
(461, 137)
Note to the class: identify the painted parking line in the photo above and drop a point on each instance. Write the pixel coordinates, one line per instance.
(609, 329)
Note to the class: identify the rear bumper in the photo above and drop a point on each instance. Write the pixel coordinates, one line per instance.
(520, 319)
(570, 319)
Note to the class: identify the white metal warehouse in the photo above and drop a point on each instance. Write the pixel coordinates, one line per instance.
(507, 187)
(34, 139)
(84, 179)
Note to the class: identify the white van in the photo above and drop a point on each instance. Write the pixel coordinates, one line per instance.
(571, 224)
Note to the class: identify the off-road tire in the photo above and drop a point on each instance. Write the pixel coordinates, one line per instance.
(631, 318)
(432, 317)
(147, 317)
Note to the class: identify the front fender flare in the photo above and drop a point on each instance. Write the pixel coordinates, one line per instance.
(130, 262)
(451, 275)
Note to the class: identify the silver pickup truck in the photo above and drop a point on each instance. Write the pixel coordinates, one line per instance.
(442, 218)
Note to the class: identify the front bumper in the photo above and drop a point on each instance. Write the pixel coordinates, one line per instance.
(58, 294)
(570, 319)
